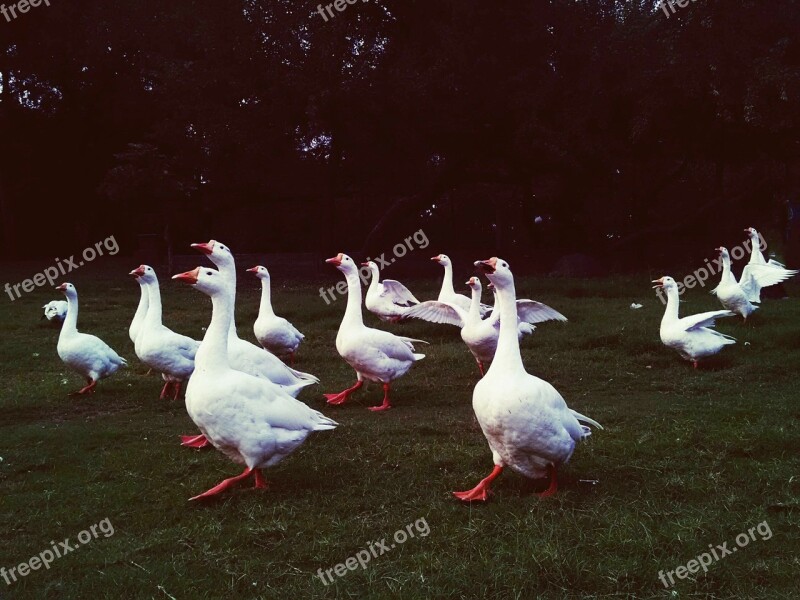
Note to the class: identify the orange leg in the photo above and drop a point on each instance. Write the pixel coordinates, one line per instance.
(481, 491)
(291, 359)
(165, 390)
(223, 485)
(177, 388)
(480, 366)
(695, 363)
(261, 483)
(344, 396)
(553, 488)
(386, 404)
(87, 389)
(195, 441)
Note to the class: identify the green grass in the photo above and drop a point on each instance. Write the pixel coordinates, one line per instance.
(687, 459)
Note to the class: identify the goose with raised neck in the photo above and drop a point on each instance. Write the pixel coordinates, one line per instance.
(374, 354)
(87, 354)
(447, 293)
(274, 333)
(388, 299)
(526, 422)
(251, 420)
(731, 294)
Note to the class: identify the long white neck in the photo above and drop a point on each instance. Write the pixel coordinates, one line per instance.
(507, 356)
(447, 282)
(352, 314)
(266, 299)
(673, 304)
(213, 351)
(727, 274)
(475, 306)
(70, 324)
(141, 311)
(756, 257)
(153, 316)
(229, 271)
(373, 283)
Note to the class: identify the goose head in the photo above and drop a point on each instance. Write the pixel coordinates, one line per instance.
(723, 252)
(667, 283)
(344, 263)
(371, 266)
(68, 289)
(443, 260)
(497, 270)
(144, 274)
(260, 272)
(474, 284)
(751, 232)
(209, 281)
(217, 252)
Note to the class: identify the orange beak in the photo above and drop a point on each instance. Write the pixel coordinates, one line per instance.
(204, 248)
(658, 283)
(253, 270)
(437, 257)
(189, 277)
(138, 271)
(366, 264)
(487, 266)
(62, 287)
(336, 260)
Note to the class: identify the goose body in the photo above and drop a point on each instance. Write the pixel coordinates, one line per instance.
(759, 272)
(526, 422)
(87, 354)
(481, 335)
(242, 355)
(55, 310)
(692, 337)
(447, 293)
(274, 333)
(249, 419)
(389, 299)
(733, 295)
(156, 345)
(374, 354)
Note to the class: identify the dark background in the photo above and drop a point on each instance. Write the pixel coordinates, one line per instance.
(638, 139)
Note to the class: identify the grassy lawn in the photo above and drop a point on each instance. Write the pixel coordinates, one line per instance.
(687, 459)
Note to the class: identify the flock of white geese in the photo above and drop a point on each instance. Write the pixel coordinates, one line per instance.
(242, 397)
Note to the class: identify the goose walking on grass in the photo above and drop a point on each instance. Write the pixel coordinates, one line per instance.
(274, 333)
(733, 295)
(251, 420)
(389, 299)
(692, 336)
(528, 425)
(87, 354)
(375, 355)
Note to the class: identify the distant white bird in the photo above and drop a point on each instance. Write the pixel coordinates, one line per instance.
(526, 422)
(375, 355)
(389, 299)
(87, 354)
(447, 293)
(274, 333)
(692, 337)
(55, 310)
(251, 420)
(759, 272)
(733, 295)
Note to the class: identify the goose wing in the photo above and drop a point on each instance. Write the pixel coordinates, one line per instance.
(434, 311)
(397, 293)
(531, 311)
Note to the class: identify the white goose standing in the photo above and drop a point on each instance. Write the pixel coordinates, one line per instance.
(448, 293)
(375, 355)
(759, 272)
(157, 346)
(274, 333)
(87, 354)
(692, 336)
(733, 295)
(389, 299)
(527, 423)
(250, 420)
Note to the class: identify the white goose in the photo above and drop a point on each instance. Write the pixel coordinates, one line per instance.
(481, 335)
(87, 354)
(733, 295)
(57, 309)
(243, 355)
(274, 333)
(527, 423)
(447, 293)
(141, 308)
(759, 272)
(692, 337)
(159, 347)
(374, 354)
(250, 420)
(389, 299)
